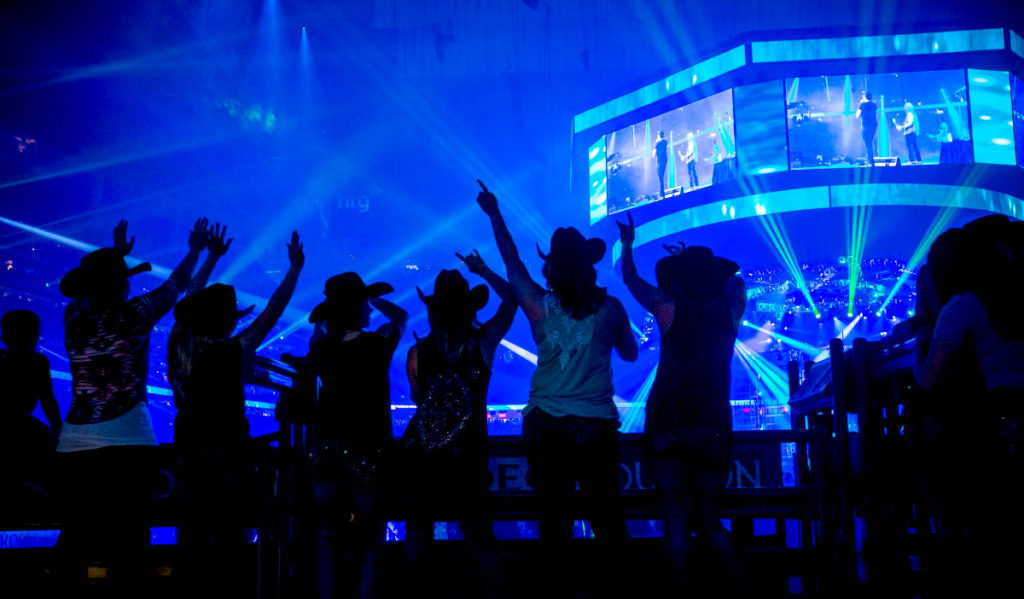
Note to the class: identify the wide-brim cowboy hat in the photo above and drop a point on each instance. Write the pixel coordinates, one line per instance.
(452, 290)
(568, 245)
(101, 268)
(214, 303)
(347, 289)
(695, 265)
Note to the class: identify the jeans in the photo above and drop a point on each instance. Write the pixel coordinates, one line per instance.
(350, 527)
(912, 149)
(449, 487)
(106, 496)
(691, 468)
(561, 452)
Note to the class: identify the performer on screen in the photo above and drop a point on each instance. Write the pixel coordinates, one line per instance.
(909, 129)
(690, 159)
(867, 112)
(661, 155)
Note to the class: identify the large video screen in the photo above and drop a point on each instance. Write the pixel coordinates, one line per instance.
(846, 120)
(1017, 99)
(676, 152)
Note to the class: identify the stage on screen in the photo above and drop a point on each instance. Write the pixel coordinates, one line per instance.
(672, 153)
(841, 120)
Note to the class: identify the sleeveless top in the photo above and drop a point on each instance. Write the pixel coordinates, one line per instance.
(574, 372)
(692, 384)
(354, 403)
(451, 416)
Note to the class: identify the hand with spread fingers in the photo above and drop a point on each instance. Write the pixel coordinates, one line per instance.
(121, 242)
(215, 243)
(199, 234)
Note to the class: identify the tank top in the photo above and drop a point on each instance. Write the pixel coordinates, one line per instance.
(692, 384)
(452, 413)
(574, 372)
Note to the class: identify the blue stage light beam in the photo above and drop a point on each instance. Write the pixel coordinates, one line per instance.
(763, 373)
(856, 238)
(633, 421)
(158, 271)
(776, 233)
(794, 343)
(939, 224)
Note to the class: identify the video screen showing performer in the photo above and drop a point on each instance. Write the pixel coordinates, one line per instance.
(1017, 100)
(870, 120)
(679, 151)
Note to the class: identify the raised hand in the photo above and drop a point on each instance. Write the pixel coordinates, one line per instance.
(197, 237)
(215, 243)
(295, 256)
(473, 262)
(488, 202)
(627, 232)
(674, 248)
(121, 242)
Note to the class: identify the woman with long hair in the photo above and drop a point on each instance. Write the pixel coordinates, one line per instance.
(697, 304)
(570, 422)
(446, 440)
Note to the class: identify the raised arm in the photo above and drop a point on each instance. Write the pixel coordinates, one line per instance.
(528, 292)
(499, 324)
(396, 315)
(255, 333)
(162, 299)
(182, 273)
(644, 293)
(625, 342)
(215, 247)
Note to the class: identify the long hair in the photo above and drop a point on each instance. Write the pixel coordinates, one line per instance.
(575, 287)
(961, 261)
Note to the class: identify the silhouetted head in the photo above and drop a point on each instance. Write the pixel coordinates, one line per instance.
(453, 306)
(958, 262)
(867, 95)
(347, 305)
(101, 277)
(908, 107)
(213, 312)
(661, 135)
(689, 135)
(21, 330)
(694, 273)
(569, 271)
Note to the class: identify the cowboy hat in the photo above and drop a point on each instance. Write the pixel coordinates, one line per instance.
(102, 268)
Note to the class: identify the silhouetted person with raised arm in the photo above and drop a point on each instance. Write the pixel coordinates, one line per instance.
(446, 440)
(26, 445)
(106, 444)
(976, 346)
(208, 369)
(350, 436)
(570, 422)
(697, 304)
